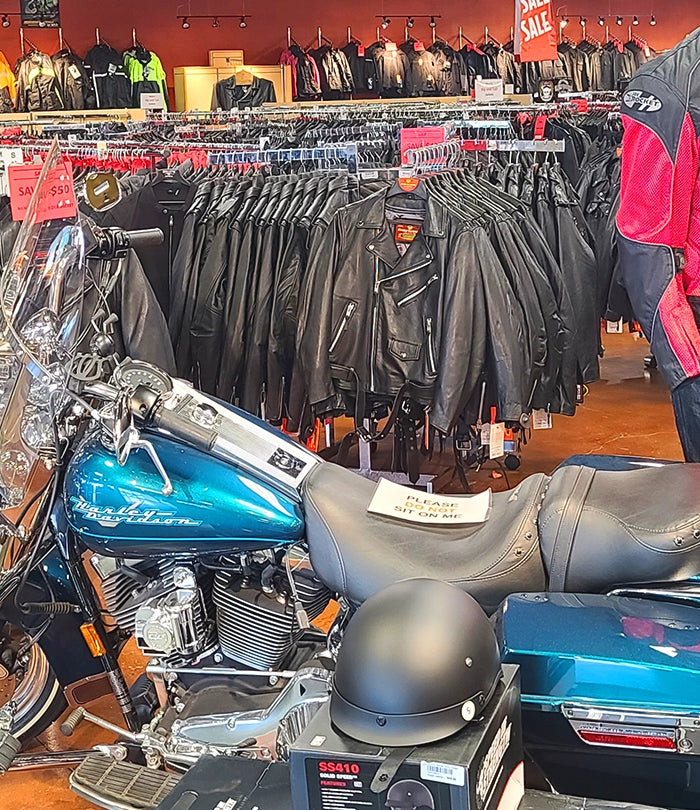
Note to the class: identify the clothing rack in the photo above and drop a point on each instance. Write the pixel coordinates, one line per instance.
(346, 152)
(444, 155)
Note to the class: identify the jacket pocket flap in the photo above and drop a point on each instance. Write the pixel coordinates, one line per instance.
(403, 350)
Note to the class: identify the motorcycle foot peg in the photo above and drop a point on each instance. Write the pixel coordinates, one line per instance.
(74, 719)
(9, 748)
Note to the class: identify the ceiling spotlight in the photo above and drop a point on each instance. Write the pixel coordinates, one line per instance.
(215, 22)
(5, 21)
(583, 21)
(652, 21)
(601, 21)
(635, 20)
(619, 20)
(185, 23)
(432, 22)
(242, 23)
(564, 22)
(410, 22)
(386, 22)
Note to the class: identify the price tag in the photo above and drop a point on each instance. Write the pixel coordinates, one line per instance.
(615, 327)
(540, 126)
(8, 157)
(58, 200)
(440, 772)
(497, 435)
(485, 435)
(541, 419)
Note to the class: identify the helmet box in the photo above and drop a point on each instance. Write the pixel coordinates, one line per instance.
(478, 768)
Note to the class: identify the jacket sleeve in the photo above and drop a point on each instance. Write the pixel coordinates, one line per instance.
(161, 78)
(462, 352)
(141, 320)
(660, 166)
(315, 316)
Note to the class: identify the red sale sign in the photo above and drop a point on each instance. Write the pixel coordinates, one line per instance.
(535, 31)
(58, 198)
(415, 137)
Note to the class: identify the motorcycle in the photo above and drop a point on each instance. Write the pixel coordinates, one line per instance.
(135, 506)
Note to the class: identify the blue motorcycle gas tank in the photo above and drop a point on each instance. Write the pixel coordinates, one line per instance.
(215, 507)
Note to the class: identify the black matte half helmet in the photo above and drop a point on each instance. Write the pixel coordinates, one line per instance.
(418, 661)
(409, 795)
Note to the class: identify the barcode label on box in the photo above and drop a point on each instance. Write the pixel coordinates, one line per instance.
(439, 772)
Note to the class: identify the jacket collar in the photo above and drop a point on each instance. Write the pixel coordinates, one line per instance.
(372, 215)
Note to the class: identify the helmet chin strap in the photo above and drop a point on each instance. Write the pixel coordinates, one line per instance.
(387, 770)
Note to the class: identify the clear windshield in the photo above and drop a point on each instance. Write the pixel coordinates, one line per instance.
(41, 294)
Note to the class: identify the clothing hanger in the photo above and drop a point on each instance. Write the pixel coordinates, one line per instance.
(243, 76)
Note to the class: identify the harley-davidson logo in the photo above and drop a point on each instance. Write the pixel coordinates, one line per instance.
(108, 517)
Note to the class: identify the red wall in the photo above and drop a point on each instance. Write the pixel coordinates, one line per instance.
(263, 40)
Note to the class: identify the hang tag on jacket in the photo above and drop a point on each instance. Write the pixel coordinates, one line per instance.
(540, 124)
(541, 419)
(74, 72)
(391, 47)
(615, 327)
(485, 435)
(418, 46)
(497, 435)
(360, 50)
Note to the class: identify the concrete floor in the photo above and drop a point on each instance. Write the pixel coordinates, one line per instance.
(623, 414)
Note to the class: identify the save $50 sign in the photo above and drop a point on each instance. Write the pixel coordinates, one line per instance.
(535, 31)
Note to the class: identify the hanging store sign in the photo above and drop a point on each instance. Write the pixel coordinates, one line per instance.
(58, 199)
(535, 31)
(152, 101)
(417, 137)
(488, 91)
(40, 13)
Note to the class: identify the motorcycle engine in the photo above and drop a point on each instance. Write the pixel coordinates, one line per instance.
(178, 609)
(174, 623)
(161, 603)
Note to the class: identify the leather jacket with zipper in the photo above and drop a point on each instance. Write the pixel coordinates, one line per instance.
(372, 320)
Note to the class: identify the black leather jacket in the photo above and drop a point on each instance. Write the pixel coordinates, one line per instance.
(371, 320)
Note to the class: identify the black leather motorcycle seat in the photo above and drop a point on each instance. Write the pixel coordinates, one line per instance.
(600, 529)
(356, 553)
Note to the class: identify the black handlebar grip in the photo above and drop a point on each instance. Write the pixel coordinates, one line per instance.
(74, 719)
(181, 427)
(146, 238)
